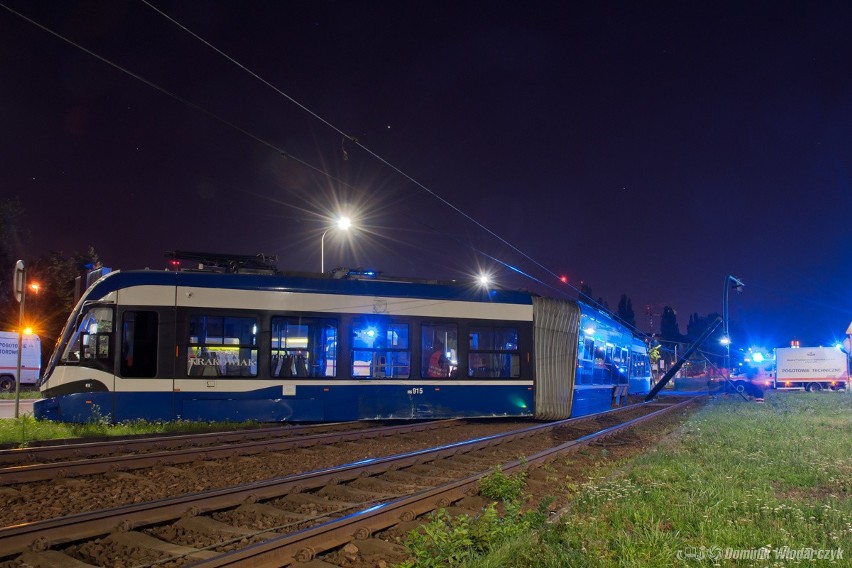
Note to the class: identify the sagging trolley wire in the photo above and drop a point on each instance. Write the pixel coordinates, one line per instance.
(308, 165)
(352, 139)
(166, 92)
(417, 183)
(283, 152)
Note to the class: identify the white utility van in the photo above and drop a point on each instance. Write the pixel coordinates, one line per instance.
(810, 368)
(30, 360)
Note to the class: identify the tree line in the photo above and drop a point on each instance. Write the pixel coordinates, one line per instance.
(55, 272)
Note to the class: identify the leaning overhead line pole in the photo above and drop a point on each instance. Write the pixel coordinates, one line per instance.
(679, 363)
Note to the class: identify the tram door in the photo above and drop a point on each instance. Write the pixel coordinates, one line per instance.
(144, 386)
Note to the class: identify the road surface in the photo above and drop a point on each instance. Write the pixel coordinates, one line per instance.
(7, 408)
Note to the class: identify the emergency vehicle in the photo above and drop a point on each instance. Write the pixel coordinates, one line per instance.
(30, 360)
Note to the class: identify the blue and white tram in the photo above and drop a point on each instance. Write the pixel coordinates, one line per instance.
(211, 346)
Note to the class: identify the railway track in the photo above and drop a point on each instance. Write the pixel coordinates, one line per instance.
(39, 464)
(43, 451)
(76, 487)
(281, 521)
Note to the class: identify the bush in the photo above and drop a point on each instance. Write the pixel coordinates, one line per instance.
(501, 487)
(447, 541)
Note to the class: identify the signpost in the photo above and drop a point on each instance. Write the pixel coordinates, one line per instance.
(19, 283)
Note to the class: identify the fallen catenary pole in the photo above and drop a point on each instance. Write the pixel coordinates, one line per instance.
(679, 363)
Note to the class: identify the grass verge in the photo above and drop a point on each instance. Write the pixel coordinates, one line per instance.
(24, 430)
(25, 395)
(739, 484)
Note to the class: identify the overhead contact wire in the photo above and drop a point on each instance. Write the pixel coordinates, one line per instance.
(295, 158)
(351, 138)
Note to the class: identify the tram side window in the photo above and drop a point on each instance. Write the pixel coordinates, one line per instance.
(638, 367)
(303, 347)
(439, 350)
(493, 352)
(606, 369)
(92, 339)
(621, 367)
(380, 349)
(586, 364)
(139, 344)
(601, 371)
(222, 346)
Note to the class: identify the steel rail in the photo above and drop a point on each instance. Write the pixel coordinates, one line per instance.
(45, 471)
(41, 535)
(75, 448)
(304, 545)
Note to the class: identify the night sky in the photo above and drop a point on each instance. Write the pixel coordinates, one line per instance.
(644, 148)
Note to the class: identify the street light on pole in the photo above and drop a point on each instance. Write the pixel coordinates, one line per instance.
(737, 285)
(343, 224)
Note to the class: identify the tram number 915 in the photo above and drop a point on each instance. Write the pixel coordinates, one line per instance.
(415, 390)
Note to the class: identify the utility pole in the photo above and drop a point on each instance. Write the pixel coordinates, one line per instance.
(737, 285)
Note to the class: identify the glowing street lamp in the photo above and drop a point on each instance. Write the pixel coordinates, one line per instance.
(343, 224)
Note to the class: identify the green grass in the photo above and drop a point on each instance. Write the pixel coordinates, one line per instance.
(739, 478)
(26, 429)
(447, 541)
(25, 395)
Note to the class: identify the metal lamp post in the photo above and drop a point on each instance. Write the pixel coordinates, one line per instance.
(737, 285)
(343, 223)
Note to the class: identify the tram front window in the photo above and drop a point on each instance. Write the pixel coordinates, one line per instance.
(92, 340)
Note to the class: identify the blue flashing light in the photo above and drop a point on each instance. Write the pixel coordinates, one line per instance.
(758, 357)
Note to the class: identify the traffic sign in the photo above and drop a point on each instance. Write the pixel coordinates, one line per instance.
(18, 281)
